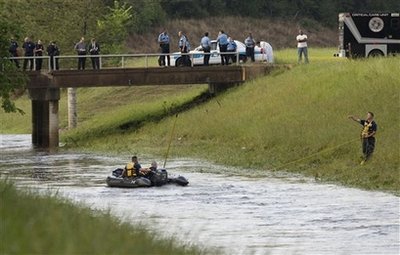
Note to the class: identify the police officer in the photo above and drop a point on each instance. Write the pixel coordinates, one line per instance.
(250, 43)
(80, 48)
(94, 49)
(14, 51)
(163, 40)
(184, 47)
(39, 52)
(222, 39)
(206, 46)
(232, 48)
(29, 48)
(53, 50)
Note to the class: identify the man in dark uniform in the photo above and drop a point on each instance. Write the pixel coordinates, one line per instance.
(53, 50)
(94, 49)
(80, 48)
(163, 40)
(367, 135)
(39, 52)
(14, 51)
(29, 47)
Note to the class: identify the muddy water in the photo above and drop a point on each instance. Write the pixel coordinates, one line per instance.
(237, 215)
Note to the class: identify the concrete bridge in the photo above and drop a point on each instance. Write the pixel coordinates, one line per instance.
(44, 88)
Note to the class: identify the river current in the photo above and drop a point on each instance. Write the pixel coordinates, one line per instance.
(276, 214)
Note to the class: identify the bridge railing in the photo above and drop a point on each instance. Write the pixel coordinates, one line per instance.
(105, 60)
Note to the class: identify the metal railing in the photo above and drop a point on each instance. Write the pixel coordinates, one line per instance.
(122, 58)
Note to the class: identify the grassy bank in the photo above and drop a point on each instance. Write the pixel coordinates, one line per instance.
(33, 224)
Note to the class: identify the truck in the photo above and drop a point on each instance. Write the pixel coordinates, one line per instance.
(369, 34)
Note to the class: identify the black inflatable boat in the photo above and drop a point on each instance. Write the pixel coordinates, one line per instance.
(157, 177)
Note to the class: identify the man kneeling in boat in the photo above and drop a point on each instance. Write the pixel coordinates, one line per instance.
(134, 169)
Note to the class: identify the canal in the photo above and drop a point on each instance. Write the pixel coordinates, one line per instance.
(275, 214)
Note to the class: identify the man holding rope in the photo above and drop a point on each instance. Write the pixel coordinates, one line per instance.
(367, 135)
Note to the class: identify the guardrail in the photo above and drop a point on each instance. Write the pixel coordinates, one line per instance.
(122, 57)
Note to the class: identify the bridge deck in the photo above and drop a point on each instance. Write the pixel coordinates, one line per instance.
(145, 76)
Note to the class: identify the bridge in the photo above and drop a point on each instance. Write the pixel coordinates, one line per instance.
(44, 87)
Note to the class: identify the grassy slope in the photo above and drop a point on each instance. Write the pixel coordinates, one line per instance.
(32, 224)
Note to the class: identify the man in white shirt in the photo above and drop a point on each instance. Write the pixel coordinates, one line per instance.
(302, 46)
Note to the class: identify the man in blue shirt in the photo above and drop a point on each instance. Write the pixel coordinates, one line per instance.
(222, 40)
(232, 48)
(206, 45)
(250, 43)
(163, 40)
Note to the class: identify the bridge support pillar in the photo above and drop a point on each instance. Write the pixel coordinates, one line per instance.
(45, 117)
(215, 88)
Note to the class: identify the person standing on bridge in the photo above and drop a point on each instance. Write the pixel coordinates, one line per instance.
(184, 47)
(222, 40)
(80, 48)
(13, 49)
(231, 48)
(367, 135)
(163, 40)
(206, 46)
(94, 49)
(39, 52)
(29, 48)
(53, 50)
(250, 44)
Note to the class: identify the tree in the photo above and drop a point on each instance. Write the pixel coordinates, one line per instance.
(112, 28)
(11, 79)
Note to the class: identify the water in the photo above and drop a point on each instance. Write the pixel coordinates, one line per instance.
(236, 215)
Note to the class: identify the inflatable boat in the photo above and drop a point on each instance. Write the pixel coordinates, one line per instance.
(157, 177)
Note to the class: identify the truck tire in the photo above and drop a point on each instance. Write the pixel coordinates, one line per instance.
(375, 53)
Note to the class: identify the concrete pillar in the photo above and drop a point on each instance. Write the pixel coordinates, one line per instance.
(214, 88)
(72, 109)
(45, 117)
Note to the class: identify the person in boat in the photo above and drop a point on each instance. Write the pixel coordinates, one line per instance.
(134, 169)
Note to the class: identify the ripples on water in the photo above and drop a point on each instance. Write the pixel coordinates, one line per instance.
(238, 215)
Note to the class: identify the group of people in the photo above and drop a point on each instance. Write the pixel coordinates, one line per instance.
(226, 45)
(82, 50)
(134, 169)
(34, 49)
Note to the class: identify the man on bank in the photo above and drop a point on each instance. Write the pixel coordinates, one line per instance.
(163, 40)
(367, 135)
(302, 47)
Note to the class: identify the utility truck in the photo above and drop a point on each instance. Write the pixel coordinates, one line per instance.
(369, 34)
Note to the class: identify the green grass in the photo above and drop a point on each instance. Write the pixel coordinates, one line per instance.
(34, 224)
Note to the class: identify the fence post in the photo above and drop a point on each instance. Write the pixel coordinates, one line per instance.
(123, 61)
(100, 63)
